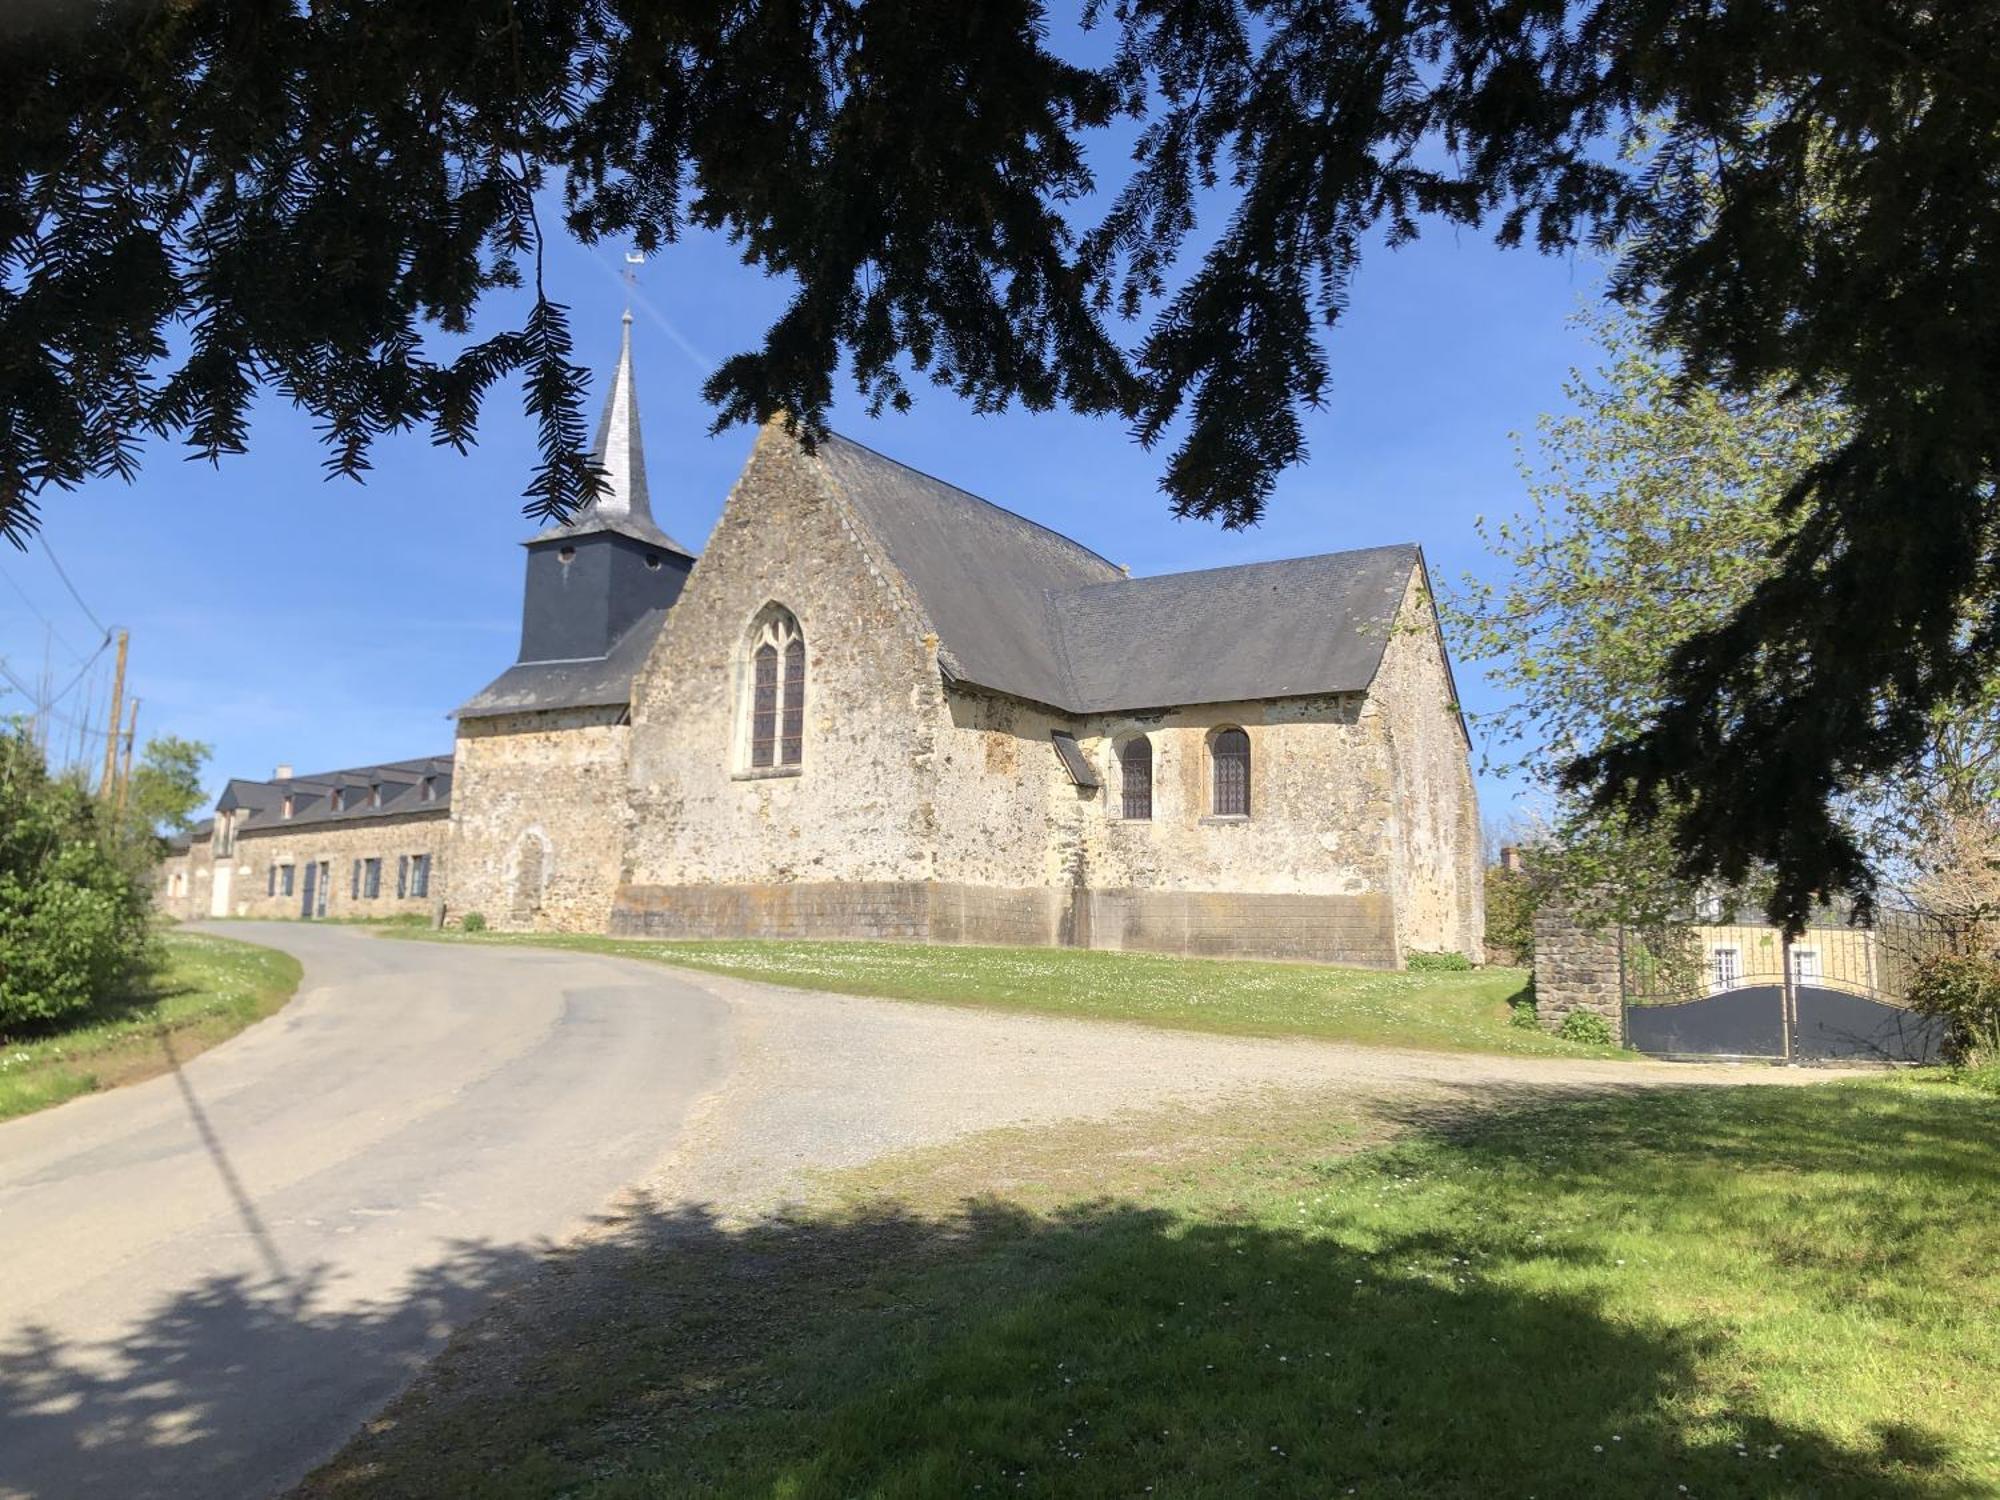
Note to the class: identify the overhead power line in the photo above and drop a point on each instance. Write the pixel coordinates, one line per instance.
(35, 610)
(103, 629)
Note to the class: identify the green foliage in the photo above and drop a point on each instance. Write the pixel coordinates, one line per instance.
(73, 903)
(1522, 1013)
(1419, 961)
(165, 789)
(1962, 990)
(1653, 511)
(1511, 899)
(473, 921)
(1586, 1026)
(198, 989)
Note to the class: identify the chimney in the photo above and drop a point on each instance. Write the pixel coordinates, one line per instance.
(1510, 857)
(284, 771)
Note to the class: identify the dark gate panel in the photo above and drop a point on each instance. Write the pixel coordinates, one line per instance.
(1745, 1022)
(1834, 1024)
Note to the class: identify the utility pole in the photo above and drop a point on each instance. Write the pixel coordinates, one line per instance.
(125, 771)
(104, 786)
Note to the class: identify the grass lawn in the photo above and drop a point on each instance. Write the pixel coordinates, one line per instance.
(1438, 1011)
(1705, 1292)
(205, 990)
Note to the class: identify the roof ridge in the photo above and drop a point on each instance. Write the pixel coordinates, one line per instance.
(1029, 521)
(1414, 548)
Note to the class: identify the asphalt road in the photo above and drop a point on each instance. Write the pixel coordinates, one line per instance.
(208, 1281)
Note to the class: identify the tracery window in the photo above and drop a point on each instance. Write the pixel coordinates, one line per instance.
(777, 692)
(1135, 778)
(1230, 753)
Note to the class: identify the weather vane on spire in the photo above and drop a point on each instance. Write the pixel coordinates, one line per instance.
(630, 276)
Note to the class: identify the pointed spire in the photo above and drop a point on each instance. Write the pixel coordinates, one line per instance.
(624, 504)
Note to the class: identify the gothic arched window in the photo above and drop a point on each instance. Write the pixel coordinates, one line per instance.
(1230, 753)
(777, 692)
(1135, 778)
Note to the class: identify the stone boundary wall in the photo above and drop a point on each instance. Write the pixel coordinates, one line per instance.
(1218, 924)
(1576, 968)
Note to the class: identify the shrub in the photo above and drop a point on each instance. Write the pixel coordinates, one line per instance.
(1963, 991)
(1436, 963)
(1586, 1026)
(1524, 1014)
(73, 900)
(473, 922)
(1510, 916)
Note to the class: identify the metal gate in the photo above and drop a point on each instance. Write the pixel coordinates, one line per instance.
(1732, 990)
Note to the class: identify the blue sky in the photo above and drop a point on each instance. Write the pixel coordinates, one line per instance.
(282, 616)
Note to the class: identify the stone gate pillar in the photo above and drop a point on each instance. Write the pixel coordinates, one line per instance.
(1576, 968)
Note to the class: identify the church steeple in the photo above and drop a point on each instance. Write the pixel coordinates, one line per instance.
(624, 505)
(593, 579)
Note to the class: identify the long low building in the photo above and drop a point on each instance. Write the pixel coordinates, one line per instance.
(368, 841)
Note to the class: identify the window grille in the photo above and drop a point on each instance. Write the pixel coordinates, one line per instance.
(791, 744)
(1231, 754)
(1135, 778)
(371, 879)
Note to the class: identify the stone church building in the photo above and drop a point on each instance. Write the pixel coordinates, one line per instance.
(879, 706)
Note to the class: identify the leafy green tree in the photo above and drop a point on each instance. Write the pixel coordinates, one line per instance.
(199, 198)
(1656, 510)
(1653, 513)
(165, 790)
(73, 907)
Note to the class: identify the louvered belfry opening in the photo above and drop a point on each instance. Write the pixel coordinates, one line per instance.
(1135, 778)
(1231, 754)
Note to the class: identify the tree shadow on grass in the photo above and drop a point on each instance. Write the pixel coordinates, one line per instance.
(1104, 1349)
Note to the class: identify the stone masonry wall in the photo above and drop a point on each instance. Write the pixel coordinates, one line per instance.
(859, 808)
(1576, 968)
(939, 811)
(538, 819)
(176, 890)
(337, 845)
(1440, 872)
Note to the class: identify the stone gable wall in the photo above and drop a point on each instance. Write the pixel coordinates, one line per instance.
(338, 845)
(1434, 805)
(859, 808)
(538, 819)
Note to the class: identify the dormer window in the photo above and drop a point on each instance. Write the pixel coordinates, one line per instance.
(333, 800)
(427, 789)
(375, 794)
(286, 810)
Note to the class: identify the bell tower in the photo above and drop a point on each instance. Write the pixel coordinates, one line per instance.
(592, 577)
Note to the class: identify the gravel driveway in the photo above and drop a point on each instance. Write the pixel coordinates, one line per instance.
(821, 1082)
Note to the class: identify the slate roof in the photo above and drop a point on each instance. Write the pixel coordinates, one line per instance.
(625, 503)
(1023, 610)
(401, 782)
(589, 682)
(981, 574)
(1260, 630)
